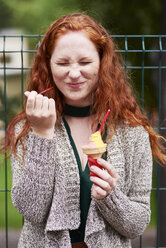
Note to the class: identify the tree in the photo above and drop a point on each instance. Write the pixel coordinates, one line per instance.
(5, 15)
(126, 17)
(34, 16)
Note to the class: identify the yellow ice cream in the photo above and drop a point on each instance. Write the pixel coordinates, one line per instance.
(96, 147)
(96, 138)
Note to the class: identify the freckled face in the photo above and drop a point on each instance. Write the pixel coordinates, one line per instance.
(75, 66)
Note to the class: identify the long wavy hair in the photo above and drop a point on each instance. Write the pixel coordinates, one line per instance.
(113, 89)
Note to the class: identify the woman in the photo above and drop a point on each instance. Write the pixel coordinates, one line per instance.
(61, 205)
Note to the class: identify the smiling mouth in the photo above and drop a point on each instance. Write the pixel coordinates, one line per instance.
(75, 85)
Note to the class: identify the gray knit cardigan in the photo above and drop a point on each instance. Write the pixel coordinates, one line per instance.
(46, 188)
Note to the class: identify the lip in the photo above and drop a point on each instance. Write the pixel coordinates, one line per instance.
(75, 85)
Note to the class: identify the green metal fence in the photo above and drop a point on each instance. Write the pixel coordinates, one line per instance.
(144, 58)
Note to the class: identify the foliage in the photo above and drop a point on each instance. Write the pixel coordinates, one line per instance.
(121, 17)
(126, 17)
(5, 15)
(36, 15)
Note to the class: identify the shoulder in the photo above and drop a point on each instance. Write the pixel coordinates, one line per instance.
(133, 140)
(132, 134)
(135, 147)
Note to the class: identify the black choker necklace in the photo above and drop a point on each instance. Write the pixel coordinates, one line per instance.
(77, 111)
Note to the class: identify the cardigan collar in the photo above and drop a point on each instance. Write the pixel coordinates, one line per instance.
(64, 212)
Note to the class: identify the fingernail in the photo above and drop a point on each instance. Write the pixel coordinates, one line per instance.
(92, 167)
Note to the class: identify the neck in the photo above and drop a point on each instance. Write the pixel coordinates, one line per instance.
(77, 111)
(79, 123)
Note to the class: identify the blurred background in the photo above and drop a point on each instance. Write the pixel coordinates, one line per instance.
(139, 29)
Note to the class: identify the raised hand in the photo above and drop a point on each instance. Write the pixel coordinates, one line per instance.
(41, 113)
(105, 181)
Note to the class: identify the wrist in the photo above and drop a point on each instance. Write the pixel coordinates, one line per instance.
(44, 133)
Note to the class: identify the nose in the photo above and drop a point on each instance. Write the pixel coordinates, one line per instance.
(74, 73)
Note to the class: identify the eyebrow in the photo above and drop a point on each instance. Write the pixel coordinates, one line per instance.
(61, 59)
(86, 58)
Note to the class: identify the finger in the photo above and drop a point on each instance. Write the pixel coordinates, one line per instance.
(38, 102)
(103, 174)
(98, 192)
(26, 93)
(30, 102)
(45, 104)
(51, 105)
(111, 170)
(101, 183)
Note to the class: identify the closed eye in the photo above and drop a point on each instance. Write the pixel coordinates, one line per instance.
(62, 64)
(84, 62)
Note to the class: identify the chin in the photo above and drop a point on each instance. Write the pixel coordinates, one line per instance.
(77, 101)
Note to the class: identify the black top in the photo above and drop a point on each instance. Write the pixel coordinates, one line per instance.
(85, 193)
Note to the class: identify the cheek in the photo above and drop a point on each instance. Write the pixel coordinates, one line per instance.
(58, 72)
(92, 72)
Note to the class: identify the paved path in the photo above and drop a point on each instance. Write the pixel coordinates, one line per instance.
(148, 239)
(13, 237)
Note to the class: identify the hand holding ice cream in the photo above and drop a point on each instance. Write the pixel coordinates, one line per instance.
(104, 180)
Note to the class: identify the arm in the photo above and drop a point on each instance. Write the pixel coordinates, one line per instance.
(33, 180)
(129, 215)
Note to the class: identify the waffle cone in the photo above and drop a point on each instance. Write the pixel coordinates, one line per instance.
(95, 156)
(95, 152)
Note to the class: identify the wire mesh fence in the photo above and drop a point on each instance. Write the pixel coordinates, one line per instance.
(144, 60)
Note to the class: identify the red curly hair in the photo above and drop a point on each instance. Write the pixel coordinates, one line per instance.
(113, 90)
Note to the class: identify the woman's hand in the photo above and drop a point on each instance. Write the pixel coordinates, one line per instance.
(41, 113)
(105, 181)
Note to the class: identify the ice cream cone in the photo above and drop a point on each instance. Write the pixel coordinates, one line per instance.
(94, 149)
(95, 152)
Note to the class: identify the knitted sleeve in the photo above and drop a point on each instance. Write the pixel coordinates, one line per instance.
(33, 179)
(129, 214)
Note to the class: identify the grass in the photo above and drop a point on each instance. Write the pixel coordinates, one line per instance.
(153, 205)
(7, 210)
(153, 201)
(15, 220)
